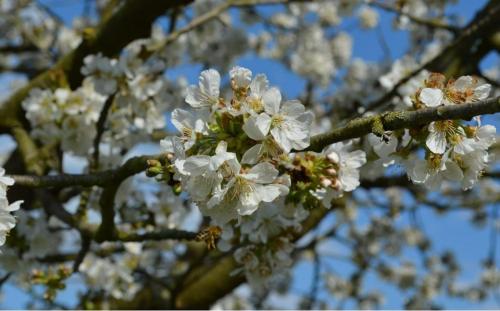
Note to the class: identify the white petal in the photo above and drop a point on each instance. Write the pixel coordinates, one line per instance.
(294, 130)
(349, 179)
(263, 173)
(465, 146)
(182, 119)
(221, 147)
(431, 97)
(195, 97)
(7, 221)
(292, 108)
(219, 195)
(268, 193)
(248, 206)
(7, 181)
(301, 144)
(210, 82)
(463, 83)
(282, 139)
(486, 135)
(419, 173)
(241, 76)
(355, 159)
(453, 171)
(272, 101)
(482, 92)
(381, 148)
(434, 181)
(14, 206)
(436, 141)
(252, 155)
(201, 187)
(196, 165)
(217, 160)
(166, 145)
(257, 127)
(259, 85)
(234, 166)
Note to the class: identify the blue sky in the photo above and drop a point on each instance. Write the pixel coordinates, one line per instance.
(452, 231)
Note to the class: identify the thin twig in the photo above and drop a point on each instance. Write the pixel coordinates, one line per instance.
(100, 127)
(435, 24)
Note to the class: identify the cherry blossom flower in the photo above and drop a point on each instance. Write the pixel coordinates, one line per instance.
(288, 123)
(345, 171)
(189, 125)
(245, 190)
(433, 171)
(206, 94)
(7, 221)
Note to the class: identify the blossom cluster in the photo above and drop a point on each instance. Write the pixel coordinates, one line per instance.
(7, 220)
(239, 160)
(135, 92)
(64, 117)
(455, 150)
(232, 155)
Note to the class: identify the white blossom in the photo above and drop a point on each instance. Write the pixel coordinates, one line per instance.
(244, 192)
(189, 125)
(203, 172)
(433, 171)
(368, 17)
(206, 94)
(288, 123)
(7, 221)
(346, 165)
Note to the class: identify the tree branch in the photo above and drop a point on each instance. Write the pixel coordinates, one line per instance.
(165, 234)
(214, 13)
(132, 21)
(355, 128)
(102, 179)
(213, 282)
(100, 128)
(457, 57)
(418, 20)
(405, 119)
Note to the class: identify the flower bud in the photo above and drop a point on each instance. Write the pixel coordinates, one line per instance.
(335, 185)
(153, 162)
(333, 157)
(177, 189)
(325, 182)
(331, 171)
(153, 171)
(154, 168)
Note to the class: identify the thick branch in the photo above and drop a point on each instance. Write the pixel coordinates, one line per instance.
(213, 282)
(405, 119)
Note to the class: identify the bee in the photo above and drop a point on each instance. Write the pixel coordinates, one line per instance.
(209, 235)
